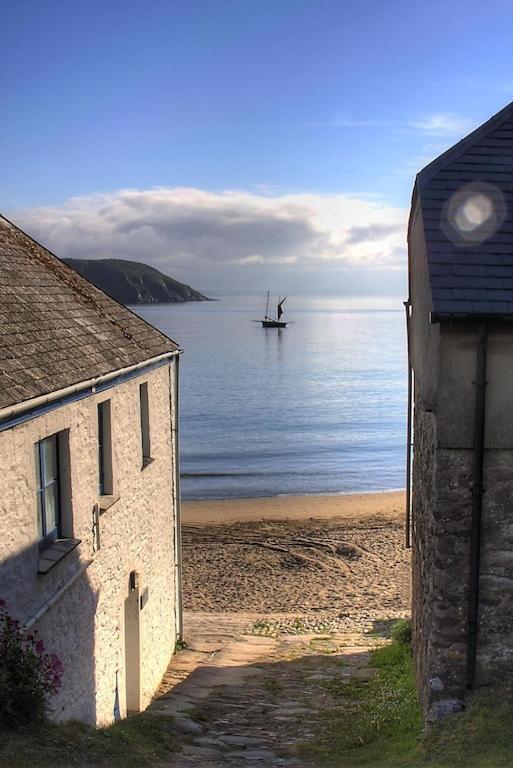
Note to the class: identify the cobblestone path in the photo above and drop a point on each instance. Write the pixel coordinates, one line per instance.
(245, 700)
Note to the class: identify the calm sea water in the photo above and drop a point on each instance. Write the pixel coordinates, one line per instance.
(318, 407)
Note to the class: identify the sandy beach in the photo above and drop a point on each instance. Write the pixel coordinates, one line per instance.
(329, 557)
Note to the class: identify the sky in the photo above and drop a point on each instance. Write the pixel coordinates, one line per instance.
(240, 144)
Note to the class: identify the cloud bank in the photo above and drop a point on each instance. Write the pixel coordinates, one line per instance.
(195, 235)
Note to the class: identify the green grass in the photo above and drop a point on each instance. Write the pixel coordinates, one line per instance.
(180, 645)
(480, 737)
(401, 632)
(299, 627)
(377, 724)
(379, 720)
(265, 628)
(141, 740)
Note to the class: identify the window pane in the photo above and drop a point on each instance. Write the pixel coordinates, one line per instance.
(50, 459)
(145, 420)
(104, 448)
(37, 460)
(100, 449)
(51, 508)
(40, 531)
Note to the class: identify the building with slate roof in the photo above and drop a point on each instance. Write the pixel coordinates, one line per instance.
(90, 552)
(460, 340)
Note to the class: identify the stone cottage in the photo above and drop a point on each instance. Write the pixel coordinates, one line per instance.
(90, 547)
(460, 318)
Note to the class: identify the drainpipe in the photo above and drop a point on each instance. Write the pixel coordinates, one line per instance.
(176, 497)
(477, 501)
(407, 307)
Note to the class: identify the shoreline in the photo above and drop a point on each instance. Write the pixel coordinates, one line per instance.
(383, 504)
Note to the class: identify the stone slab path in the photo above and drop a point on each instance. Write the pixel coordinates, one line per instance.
(240, 699)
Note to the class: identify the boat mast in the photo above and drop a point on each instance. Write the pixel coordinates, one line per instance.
(267, 307)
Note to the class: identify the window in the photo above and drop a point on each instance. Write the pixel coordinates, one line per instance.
(145, 424)
(53, 494)
(104, 449)
(48, 491)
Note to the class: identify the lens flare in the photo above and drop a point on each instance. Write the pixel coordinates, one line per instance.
(474, 213)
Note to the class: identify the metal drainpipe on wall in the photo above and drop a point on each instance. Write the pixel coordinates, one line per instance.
(477, 501)
(174, 397)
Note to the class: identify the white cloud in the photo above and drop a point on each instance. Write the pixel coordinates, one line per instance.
(348, 123)
(438, 124)
(190, 233)
(443, 124)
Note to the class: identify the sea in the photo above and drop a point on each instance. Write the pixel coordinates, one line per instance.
(317, 407)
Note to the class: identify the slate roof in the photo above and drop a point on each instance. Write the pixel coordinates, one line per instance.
(469, 277)
(56, 328)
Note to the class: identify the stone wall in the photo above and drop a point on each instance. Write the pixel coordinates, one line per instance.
(422, 552)
(442, 504)
(85, 627)
(495, 638)
(442, 499)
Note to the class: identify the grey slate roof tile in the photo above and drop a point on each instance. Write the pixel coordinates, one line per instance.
(439, 281)
(435, 270)
(499, 295)
(455, 307)
(466, 294)
(443, 293)
(56, 328)
(461, 281)
(451, 258)
(486, 282)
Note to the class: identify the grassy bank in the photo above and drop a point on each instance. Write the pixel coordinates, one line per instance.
(380, 726)
(380, 721)
(141, 740)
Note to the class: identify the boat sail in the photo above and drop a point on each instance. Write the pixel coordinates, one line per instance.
(269, 322)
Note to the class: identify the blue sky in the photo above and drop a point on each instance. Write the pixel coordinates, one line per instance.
(266, 112)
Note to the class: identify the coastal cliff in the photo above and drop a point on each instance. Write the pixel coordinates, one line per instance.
(131, 282)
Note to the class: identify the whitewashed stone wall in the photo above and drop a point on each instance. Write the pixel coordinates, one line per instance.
(86, 626)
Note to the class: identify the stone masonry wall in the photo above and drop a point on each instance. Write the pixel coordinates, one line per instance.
(86, 626)
(442, 504)
(442, 508)
(441, 546)
(422, 524)
(495, 638)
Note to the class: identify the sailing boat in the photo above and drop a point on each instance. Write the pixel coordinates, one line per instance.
(269, 322)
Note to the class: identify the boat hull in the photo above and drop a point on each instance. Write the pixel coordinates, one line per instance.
(273, 324)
